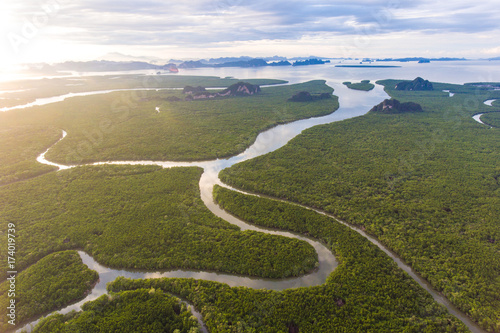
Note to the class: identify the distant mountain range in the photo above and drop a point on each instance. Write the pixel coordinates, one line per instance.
(225, 60)
(239, 63)
(121, 62)
(310, 62)
(110, 66)
(421, 59)
(253, 63)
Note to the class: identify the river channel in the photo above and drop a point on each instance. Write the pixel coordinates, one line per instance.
(352, 104)
(477, 117)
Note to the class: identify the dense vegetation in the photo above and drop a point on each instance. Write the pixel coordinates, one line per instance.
(19, 148)
(183, 130)
(492, 119)
(484, 85)
(148, 311)
(126, 126)
(26, 91)
(426, 184)
(306, 96)
(364, 85)
(25, 134)
(139, 217)
(367, 292)
(56, 280)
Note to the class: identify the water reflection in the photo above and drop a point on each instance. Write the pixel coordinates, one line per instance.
(477, 117)
(353, 103)
(55, 99)
(107, 275)
(489, 102)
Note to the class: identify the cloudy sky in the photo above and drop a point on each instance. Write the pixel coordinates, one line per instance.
(56, 30)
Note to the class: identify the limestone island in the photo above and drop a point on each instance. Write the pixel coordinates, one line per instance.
(237, 89)
(418, 84)
(393, 106)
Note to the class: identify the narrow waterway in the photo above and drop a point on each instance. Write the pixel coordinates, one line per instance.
(437, 296)
(489, 102)
(477, 117)
(353, 103)
(449, 93)
(55, 99)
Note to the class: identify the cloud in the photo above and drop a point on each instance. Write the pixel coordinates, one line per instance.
(206, 23)
(492, 51)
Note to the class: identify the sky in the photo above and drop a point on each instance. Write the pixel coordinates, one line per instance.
(34, 31)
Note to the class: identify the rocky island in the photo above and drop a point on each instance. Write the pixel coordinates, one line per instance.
(237, 89)
(393, 106)
(418, 84)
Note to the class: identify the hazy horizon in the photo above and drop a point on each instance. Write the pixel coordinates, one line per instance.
(81, 30)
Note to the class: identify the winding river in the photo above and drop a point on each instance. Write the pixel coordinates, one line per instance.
(352, 104)
(477, 117)
(55, 99)
(489, 102)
